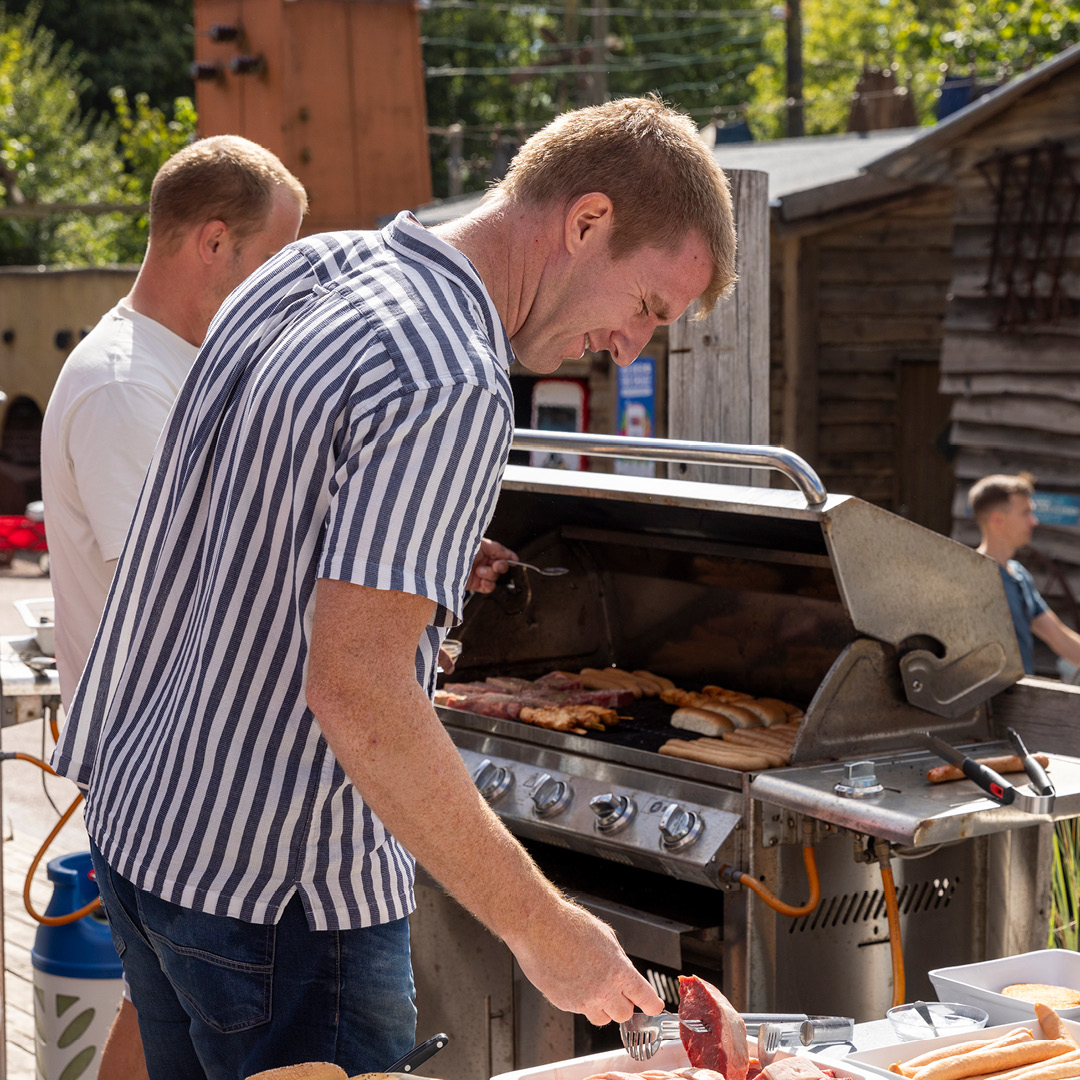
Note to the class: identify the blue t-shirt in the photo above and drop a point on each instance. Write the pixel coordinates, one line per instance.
(1025, 604)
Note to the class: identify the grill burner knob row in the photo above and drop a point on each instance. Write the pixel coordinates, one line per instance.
(613, 812)
(492, 781)
(550, 796)
(679, 827)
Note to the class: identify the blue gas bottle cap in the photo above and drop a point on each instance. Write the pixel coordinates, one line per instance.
(82, 949)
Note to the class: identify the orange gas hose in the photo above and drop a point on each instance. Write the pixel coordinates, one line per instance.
(71, 916)
(810, 862)
(892, 912)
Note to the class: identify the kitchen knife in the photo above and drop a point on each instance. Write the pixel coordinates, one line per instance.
(1036, 774)
(419, 1054)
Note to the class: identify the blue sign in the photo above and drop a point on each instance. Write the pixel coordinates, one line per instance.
(635, 411)
(1052, 508)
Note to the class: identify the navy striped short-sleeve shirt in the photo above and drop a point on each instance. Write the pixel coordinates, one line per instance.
(349, 417)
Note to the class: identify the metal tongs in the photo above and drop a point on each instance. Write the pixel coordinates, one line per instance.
(814, 1031)
(995, 785)
(642, 1034)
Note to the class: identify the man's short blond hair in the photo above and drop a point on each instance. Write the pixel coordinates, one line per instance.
(221, 178)
(994, 492)
(650, 161)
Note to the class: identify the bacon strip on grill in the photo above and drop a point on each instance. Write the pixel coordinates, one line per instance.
(505, 696)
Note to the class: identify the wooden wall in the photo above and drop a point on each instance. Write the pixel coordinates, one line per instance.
(339, 98)
(857, 309)
(1016, 389)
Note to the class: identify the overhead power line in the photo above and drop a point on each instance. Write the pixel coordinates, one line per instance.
(633, 12)
(614, 67)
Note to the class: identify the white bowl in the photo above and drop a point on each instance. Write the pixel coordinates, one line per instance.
(981, 984)
(949, 1018)
(38, 616)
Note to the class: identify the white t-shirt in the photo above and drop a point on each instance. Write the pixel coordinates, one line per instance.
(106, 412)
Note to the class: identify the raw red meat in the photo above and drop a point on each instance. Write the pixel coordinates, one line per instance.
(723, 1047)
(509, 683)
(503, 696)
(660, 1074)
(792, 1068)
(502, 706)
(471, 689)
(559, 680)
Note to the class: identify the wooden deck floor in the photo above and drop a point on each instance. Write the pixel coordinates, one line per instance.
(28, 816)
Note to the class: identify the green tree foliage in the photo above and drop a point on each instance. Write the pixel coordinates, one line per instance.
(493, 65)
(988, 40)
(503, 70)
(144, 46)
(52, 152)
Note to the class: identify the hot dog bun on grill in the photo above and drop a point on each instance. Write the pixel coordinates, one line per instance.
(703, 721)
(768, 710)
(739, 715)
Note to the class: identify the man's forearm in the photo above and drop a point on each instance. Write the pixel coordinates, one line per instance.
(409, 772)
(1059, 637)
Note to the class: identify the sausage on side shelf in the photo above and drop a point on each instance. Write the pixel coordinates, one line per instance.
(1007, 764)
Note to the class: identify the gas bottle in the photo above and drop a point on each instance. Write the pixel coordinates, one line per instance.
(78, 978)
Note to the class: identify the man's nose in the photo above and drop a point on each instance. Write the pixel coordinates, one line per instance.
(625, 348)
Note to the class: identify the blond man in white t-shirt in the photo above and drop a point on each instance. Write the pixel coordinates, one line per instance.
(219, 208)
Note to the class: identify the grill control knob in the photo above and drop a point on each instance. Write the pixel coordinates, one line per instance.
(613, 812)
(492, 781)
(550, 796)
(860, 781)
(679, 827)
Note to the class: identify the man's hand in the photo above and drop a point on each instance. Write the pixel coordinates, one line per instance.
(489, 564)
(576, 962)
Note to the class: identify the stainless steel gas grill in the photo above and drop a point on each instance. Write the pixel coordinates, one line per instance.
(879, 629)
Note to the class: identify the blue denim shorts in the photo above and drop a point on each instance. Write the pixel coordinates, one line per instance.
(220, 999)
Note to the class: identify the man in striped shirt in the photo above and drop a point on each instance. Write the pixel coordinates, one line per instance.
(255, 723)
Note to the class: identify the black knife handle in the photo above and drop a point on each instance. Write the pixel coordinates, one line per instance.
(991, 782)
(419, 1054)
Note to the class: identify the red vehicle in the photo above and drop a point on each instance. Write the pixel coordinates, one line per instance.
(24, 534)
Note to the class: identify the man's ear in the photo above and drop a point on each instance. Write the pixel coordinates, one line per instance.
(589, 219)
(211, 237)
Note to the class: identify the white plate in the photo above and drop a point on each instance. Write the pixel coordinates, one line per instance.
(878, 1060)
(670, 1056)
(979, 984)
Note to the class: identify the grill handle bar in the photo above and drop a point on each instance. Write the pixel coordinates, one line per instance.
(699, 453)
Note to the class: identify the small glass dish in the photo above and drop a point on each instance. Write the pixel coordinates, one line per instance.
(452, 648)
(949, 1018)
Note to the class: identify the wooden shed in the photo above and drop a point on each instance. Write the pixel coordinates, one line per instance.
(924, 309)
(926, 317)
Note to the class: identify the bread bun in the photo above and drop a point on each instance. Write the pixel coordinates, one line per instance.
(1057, 997)
(770, 711)
(741, 717)
(703, 721)
(311, 1070)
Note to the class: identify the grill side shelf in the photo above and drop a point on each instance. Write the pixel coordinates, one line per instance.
(910, 810)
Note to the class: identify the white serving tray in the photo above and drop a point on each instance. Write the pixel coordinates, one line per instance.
(877, 1061)
(978, 984)
(670, 1056)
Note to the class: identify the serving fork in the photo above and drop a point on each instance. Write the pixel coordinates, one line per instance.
(642, 1034)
